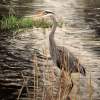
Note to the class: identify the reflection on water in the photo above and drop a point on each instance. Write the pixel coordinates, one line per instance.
(92, 3)
(79, 36)
(19, 7)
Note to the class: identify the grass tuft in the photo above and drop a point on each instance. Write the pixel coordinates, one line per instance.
(9, 22)
(41, 23)
(14, 23)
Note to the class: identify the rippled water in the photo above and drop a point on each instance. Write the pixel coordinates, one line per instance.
(79, 36)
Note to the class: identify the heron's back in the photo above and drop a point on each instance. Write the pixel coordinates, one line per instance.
(63, 58)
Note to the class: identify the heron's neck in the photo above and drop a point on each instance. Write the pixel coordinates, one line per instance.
(51, 36)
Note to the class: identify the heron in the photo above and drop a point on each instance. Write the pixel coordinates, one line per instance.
(61, 56)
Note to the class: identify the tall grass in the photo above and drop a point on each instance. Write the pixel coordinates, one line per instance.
(9, 22)
(14, 23)
(41, 23)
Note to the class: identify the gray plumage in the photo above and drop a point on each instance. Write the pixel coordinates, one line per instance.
(61, 56)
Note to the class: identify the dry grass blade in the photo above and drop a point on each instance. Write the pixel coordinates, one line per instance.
(65, 85)
(24, 84)
(90, 88)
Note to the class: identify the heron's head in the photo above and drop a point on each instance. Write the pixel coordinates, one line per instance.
(48, 13)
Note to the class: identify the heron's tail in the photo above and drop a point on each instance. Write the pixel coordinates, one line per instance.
(82, 70)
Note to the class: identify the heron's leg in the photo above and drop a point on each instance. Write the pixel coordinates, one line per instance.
(68, 98)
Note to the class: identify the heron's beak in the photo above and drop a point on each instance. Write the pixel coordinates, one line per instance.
(49, 12)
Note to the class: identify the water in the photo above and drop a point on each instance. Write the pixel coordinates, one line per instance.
(80, 36)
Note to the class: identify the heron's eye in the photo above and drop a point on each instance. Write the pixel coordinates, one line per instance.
(48, 12)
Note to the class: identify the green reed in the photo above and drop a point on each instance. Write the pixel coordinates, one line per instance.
(14, 23)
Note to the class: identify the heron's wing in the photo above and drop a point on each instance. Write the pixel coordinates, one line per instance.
(69, 60)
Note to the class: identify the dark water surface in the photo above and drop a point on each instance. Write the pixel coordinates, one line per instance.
(81, 36)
